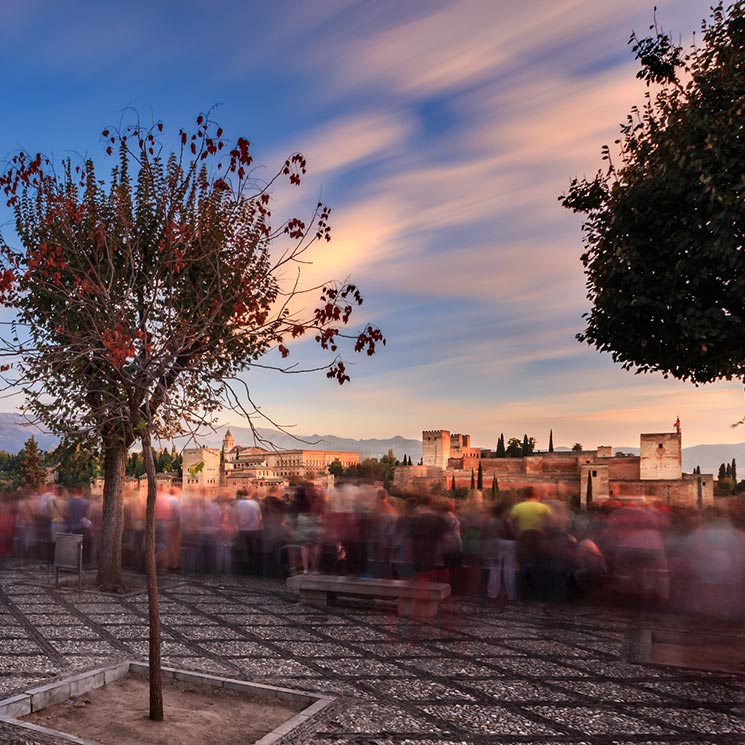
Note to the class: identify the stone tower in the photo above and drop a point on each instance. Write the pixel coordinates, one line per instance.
(661, 456)
(435, 448)
(228, 442)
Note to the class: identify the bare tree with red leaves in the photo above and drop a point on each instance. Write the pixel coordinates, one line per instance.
(139, 299)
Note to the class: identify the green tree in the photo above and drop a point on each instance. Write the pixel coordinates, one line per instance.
(551, 441)
(494, 487)
(501, 452)
(31, 473)
(663, 221)
(577, 447)
(77, 466)
(734, 471)
(722, 472)
(480, 478)
(336, 468)
(452, 485)
(473, 480)
(728, 471)
(514, 448)
(588, 495)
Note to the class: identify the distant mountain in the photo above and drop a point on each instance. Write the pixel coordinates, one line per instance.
(14, 431)
(370, 448)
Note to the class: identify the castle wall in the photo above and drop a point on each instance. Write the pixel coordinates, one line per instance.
(435, 448)
(661, 456)
(600, 484)
(459, 444)
(622, 469)
(673, 492)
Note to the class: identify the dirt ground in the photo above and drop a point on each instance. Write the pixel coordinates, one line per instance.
(117, 714)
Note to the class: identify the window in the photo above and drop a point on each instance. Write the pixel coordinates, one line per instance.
(594, 474)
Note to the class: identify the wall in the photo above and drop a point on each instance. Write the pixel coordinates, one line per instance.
(623, 468)
(600, 485)
(661, 456)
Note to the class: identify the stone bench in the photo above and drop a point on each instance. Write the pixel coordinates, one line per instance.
(415, 599)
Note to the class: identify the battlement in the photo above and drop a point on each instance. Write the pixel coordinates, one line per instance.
(430, 434)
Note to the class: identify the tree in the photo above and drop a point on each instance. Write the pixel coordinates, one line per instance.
(663, 227)
(551, 441)
(734, 471)
(473, 481)
(577, 447)
(722, 472)
(494, 487)
(480, 478)
(452, 485)
(140, 299)
(514, 448)
(31, 473)
(501, 452)
(728, 471)
(336, 468)
(588, 495)
(77, 466)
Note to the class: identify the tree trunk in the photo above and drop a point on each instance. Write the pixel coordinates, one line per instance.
(153, 614)
(112, 523)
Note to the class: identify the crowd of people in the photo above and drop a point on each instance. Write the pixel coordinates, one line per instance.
(518, 547)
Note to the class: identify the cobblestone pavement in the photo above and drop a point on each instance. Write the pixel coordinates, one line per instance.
(479, 674)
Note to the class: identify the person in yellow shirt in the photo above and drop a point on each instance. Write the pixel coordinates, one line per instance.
(530, 520)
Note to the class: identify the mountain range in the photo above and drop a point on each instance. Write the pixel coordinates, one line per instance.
(14, 432)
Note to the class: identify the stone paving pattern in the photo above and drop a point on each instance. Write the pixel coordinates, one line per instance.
(477, 674)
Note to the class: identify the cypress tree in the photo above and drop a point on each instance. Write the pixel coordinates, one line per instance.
(494, 487)
(501, 453)
(551, 441)
(452, 485)
(734, 471)
(31, 472)
(527, 450)
(728, 471)
(480, 479)
(722, 472)
(473, 480)
(589, 488)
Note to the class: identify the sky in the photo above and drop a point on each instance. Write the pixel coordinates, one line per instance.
(441, 133)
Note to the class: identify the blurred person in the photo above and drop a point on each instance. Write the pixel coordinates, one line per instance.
(450, 547)
(78, 520)
(192, 516)
(638, 556)
(227, 530)
(307, 510)
(591, 570)
(174, 529)
(58, 514)
(8, 510)
(500, 552)
(250, 524)
(714, 567)
(425, 527)
(472, 518)
(25, 525)
(383, 530)
(274, 535)
(530, 519)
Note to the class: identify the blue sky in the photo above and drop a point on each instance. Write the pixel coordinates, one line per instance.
(441, 133)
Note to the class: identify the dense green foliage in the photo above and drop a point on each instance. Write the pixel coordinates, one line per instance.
(664, 227)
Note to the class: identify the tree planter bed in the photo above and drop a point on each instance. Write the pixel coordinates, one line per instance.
(229, 711)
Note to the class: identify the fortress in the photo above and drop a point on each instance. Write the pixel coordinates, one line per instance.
(655, 474)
